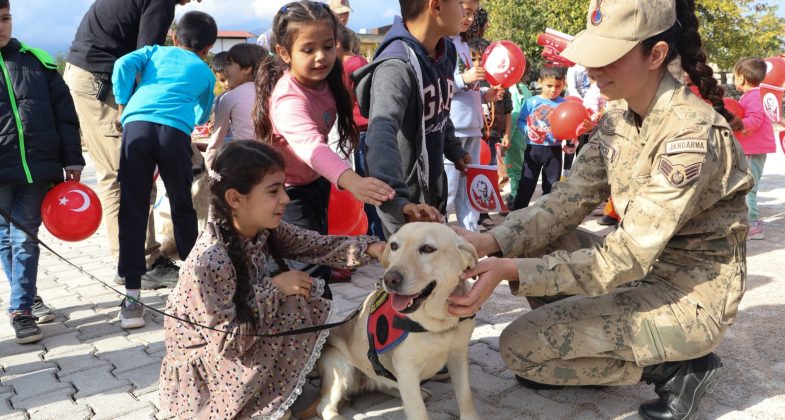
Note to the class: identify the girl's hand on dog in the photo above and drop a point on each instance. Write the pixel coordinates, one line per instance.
(293, 283)
(376, 249)
(490, 272)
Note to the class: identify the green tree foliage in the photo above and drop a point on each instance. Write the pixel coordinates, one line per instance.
(60, 60)
(731, 29)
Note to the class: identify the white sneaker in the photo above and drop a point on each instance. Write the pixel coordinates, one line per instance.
(131, 314)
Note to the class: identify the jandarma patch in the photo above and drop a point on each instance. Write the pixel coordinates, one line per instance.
(686, 146)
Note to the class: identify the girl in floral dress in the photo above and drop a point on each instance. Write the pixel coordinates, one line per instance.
(224, 284)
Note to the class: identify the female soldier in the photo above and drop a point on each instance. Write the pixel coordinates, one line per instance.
(660, 291)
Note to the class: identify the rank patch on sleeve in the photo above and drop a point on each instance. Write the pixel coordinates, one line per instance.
(679, 175)
(686, 146)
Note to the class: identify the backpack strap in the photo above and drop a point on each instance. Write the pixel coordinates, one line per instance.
(44, 57)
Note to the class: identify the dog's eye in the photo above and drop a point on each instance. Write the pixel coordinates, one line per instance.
(427, 249)
(394, 246)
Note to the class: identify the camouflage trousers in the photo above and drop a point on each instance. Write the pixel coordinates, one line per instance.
(608, 339)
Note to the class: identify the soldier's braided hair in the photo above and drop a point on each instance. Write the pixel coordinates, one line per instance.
(684, 41)
(240, 165)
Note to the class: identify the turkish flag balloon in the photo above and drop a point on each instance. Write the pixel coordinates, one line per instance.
(734, 107)
(567, 120)
(504, 63)
(775, 71)
(485, 153)
(344, 214)
(71, 211)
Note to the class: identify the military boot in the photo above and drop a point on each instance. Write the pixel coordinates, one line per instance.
(680, 386)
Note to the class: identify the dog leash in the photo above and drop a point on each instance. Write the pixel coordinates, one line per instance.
(297, 331)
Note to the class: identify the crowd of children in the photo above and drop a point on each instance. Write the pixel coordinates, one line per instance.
(412, 120)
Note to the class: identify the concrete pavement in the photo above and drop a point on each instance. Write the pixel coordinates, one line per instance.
(88, 367)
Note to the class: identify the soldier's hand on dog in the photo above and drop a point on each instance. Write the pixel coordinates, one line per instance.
(484, 243)
(293, 283)
(490, 272)
(376, 249)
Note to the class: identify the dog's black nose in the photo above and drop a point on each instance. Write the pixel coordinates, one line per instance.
(393, 279)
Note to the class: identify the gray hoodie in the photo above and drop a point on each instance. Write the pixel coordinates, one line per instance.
(388, 93)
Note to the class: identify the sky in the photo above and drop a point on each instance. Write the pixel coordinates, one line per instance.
(51, 24)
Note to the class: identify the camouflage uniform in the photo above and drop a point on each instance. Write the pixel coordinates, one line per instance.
(666, 284)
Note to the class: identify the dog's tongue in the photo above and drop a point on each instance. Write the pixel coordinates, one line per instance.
(400, 302)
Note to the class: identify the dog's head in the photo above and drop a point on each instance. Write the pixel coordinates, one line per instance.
(423, 263)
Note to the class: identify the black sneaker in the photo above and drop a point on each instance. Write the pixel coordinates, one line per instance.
(607, 221)
(41, 311)
(163, 273)
(27, 330)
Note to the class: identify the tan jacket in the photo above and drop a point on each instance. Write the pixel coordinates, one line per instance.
(679, 184)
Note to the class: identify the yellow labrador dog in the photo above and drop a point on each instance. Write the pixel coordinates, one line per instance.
(423, 263)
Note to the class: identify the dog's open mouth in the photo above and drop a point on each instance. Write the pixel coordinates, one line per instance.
(407, 304)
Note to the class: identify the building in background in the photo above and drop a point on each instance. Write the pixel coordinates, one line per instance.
(228, 39)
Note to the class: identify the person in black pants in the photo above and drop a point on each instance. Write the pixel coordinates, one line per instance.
(158, 114)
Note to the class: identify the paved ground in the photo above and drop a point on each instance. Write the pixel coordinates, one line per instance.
(88, 367)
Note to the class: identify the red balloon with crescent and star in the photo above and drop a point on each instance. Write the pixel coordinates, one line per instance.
(71, 211)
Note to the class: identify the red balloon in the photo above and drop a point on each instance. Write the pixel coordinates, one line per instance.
(71, 211)
(485, 153)
(504, 63)
(345, 214)
(775, 71)
(567, 120)
(574, 99)
(734, 107)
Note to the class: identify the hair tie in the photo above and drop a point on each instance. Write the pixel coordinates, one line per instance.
(215, 176)
(284, 9)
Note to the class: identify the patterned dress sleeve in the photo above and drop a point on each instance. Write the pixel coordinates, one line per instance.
(294, 243)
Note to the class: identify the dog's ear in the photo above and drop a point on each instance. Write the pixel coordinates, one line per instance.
(468, 252)
(384, 258)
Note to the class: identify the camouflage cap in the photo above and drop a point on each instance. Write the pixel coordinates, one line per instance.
(340, 6)
(614, 27)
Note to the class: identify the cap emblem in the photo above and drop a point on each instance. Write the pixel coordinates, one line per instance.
(596, 15)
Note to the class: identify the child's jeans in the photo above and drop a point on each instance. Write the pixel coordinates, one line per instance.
(756, 163)
(19, 252)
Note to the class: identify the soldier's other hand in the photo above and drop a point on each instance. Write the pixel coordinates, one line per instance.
(484, 243)
(490, 272)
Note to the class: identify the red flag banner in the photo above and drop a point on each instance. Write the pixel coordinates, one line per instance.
(482, 187)
(771, 97)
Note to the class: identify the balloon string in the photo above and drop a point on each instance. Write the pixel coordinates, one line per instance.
(298, 331)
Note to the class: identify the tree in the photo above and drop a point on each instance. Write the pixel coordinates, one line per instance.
(60, 60)
(731, 29)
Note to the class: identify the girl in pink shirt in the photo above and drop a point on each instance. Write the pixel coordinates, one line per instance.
(299, 96)
(757, 136)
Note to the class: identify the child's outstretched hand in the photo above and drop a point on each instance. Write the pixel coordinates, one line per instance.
(366, 189)
(293, 283)
(475, 74)
(376, 249)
